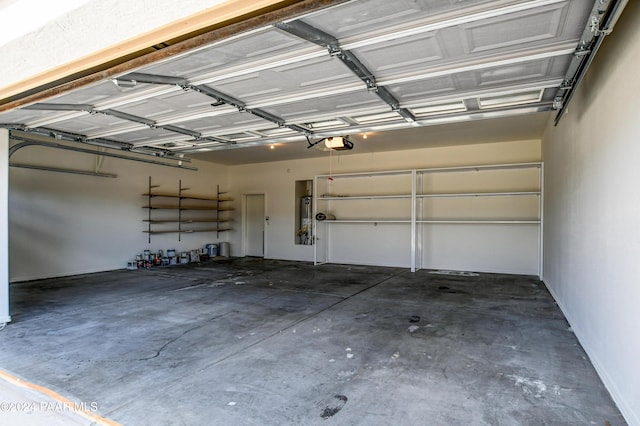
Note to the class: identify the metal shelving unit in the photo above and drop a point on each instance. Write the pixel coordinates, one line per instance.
(523, 196)
(369, 193)
(417, 216)
(210, 204)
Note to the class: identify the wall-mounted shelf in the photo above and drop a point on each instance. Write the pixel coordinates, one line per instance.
(330, 221)
(482, 167)
(175, 212)
(479, 194)
(363, 197)
(187, 231)
(486, 222)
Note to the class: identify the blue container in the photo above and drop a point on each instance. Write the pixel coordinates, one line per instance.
(212, 250)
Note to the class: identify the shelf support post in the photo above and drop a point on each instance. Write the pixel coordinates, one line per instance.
(217, 212)
(149, 209)
(179, 209)
(541, 228)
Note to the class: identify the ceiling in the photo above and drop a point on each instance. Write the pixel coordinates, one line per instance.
(408, 73)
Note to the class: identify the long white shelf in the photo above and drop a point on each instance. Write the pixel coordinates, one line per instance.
(367, 174)
(365, 197)
(479, 194)
(453, 221)
(535, 165)
(186, 220)
(489, 221)
(366, 221)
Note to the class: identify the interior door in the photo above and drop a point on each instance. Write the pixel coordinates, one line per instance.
(254, 219)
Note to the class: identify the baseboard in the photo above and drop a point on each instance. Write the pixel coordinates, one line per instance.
(627, 410)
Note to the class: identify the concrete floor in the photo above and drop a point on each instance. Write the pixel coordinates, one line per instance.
(255, 342)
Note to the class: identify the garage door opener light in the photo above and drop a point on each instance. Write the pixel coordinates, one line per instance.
(334, 143)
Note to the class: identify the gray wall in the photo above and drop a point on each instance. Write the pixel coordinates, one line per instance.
(592, 213)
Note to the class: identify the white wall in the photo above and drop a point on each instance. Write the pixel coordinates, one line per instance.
(592, 213)
(277, 181)
(65, 224)
(90, 27)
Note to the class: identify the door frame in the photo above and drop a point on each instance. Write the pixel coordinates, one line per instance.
(244, 223)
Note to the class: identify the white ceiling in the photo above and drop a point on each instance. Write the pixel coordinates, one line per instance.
(429, 72)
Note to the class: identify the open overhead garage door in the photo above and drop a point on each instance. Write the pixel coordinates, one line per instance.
(352, 67)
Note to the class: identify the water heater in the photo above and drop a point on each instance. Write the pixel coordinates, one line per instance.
(306, 220)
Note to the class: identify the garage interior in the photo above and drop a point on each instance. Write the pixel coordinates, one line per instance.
(299, 212)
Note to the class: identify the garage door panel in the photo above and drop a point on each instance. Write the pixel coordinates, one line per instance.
(356, 18)
(517, 72)
(289, 79)
(524, 28)
(146, 134)
(265, 44)
(396, 56)
(167, 104)
(89, 124)
(337, 105)
(22, 116)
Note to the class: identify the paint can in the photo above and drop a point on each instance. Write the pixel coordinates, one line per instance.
(171, 253)
(224, 249)
(212, 250)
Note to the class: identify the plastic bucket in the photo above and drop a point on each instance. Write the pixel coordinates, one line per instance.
(212, 250)
(224, 249)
